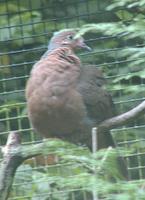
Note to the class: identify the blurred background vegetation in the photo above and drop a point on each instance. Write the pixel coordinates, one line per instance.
(115, 31)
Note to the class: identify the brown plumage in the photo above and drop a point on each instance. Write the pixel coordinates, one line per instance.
(65, 98)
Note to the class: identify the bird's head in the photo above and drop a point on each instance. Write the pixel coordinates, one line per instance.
(66, 38)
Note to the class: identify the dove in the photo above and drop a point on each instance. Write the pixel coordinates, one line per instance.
(66, 98)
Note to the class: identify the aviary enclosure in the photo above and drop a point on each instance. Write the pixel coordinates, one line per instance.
(115, 31)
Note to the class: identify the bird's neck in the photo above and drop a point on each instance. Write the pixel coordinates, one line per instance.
(57, 46)
(52, 46)
(65, 54)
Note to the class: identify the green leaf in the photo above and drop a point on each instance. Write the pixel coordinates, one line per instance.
(124, 15)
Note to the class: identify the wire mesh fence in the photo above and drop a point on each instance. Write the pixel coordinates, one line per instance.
(25, 29)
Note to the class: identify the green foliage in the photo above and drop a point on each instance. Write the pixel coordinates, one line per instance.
(127, 4)
(78, 170)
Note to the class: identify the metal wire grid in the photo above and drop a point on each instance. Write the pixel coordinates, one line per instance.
(22, 44)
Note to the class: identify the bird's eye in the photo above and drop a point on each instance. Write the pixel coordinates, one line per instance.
(70, 37)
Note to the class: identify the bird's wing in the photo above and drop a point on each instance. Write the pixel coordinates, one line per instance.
(97, 100)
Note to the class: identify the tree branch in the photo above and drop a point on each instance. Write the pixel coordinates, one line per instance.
(11, 161)
(14, 153)
(122, 119)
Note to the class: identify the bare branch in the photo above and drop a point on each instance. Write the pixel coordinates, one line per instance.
(11, 160)
(123, 118)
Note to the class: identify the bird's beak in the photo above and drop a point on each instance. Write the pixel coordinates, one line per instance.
(82, 45)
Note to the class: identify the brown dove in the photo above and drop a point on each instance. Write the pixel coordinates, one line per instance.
(65, 98)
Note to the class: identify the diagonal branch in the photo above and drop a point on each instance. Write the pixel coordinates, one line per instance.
(122, 119)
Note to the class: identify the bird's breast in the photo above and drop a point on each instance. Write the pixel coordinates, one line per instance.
(54, 104)
(55, 115)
